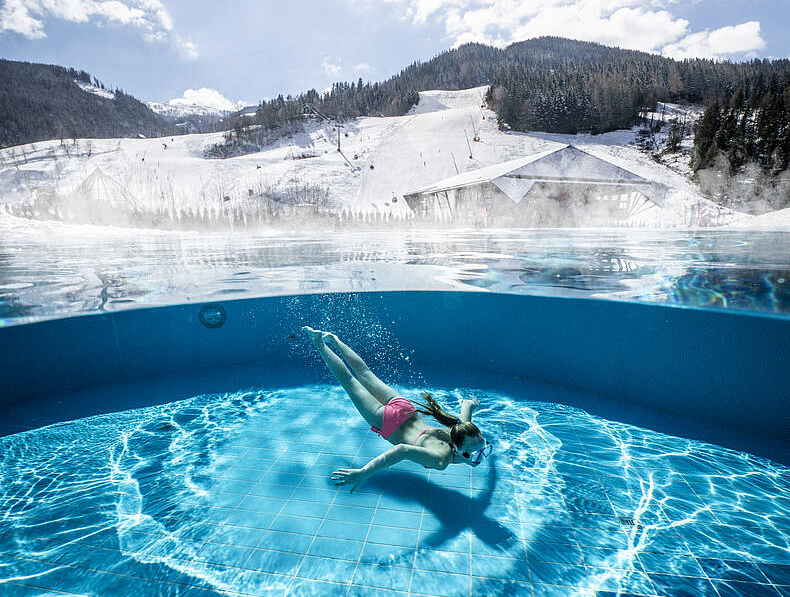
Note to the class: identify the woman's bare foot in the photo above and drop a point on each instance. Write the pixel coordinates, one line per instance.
(317, 336)
(329, 338)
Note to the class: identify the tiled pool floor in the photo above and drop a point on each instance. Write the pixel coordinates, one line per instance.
(231, 495)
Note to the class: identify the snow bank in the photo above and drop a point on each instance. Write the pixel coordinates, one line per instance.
(774, 219)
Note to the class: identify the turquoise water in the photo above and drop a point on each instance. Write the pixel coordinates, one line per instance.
(55, 270)
(229, 494)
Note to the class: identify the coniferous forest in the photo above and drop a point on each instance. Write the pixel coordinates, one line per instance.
(547, 84)
(564, 86)
(741, 149)
(41, 101)
(735, 131)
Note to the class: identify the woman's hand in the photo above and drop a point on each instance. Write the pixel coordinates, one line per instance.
(473, 399)
(349, 476)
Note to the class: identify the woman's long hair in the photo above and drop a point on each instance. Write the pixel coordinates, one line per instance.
(458, 430)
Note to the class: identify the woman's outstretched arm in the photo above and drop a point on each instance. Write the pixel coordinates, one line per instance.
(467, 406)
(418, 454)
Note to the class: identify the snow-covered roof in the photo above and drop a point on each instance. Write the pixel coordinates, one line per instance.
(564, 164)
(484, 174)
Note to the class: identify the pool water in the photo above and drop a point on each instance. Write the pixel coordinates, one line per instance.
(230, 494)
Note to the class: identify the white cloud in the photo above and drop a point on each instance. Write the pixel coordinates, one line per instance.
(14, 16)
(186, 49)
(205, 96)
(120, 13)
(330, 69)
(740, 39)
(646, 25)
(27, 18)
(363, 67)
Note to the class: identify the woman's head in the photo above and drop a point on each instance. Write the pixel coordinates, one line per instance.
(465, 433)
(467, 440)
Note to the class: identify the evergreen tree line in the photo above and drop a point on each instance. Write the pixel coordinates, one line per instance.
(470, 65)
(344, 101)
(736, 131)
(565, 86)
(546, 84)
(40, 102)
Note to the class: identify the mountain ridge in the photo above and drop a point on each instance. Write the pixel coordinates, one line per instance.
(548, 84)
(41, 102)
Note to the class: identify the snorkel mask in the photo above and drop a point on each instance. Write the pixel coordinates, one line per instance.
(477, 456)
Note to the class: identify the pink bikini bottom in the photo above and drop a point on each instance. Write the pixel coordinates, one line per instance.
(396, 412)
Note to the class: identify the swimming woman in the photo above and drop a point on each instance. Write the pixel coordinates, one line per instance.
(458, 441)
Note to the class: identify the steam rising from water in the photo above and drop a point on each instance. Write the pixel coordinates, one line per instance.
(50, 270)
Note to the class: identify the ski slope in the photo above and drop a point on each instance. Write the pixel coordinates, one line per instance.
(379, 158)
(774, 219)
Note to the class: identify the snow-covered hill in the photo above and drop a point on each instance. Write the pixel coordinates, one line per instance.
(174, 109)
(379, 158)
(171, 110)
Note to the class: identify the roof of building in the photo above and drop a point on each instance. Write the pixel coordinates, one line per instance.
(101, 188)
(564, 164)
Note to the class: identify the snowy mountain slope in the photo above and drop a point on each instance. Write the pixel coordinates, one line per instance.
(405, 153)
(180, 110)
(435, 141)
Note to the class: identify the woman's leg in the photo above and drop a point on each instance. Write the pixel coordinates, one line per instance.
(368, 406)
(372, 384)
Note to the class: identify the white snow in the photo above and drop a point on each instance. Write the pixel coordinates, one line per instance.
(197, 102)
(430, 143)
(774, 219)
(182, 110)
(95, 90)
(667, 112)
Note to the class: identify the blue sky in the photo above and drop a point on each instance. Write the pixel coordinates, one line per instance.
(246, 50)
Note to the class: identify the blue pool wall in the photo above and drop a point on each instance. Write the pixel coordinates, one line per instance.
(722, 369)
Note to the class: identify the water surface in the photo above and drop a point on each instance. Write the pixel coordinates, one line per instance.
(57, 270)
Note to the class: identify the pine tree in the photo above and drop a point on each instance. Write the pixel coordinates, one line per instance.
(704, 153)
(768, 127)
(783, 140)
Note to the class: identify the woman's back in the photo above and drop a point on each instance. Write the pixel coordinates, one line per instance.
(416, 432)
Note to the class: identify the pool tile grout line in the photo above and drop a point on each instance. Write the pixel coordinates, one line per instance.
(367, 533)
(417, 546)
(285, 503)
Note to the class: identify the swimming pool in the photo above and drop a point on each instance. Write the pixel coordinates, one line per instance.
(197, 459)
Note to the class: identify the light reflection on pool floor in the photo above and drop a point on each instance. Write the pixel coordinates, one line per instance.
(230, 495)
